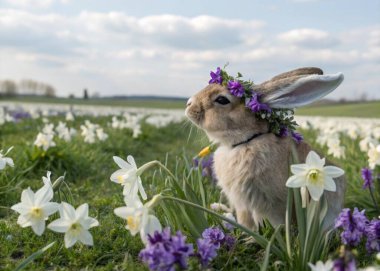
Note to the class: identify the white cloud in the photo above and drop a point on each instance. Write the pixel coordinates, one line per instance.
(114, 53)
(312, 38)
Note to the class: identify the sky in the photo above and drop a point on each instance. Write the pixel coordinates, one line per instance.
(168, 47)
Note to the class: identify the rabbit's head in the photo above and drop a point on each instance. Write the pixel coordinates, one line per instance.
(226, 119)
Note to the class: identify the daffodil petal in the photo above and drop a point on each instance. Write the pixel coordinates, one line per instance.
(70, 239)
(299, 169)
(123, 212)
(315, 192)
(329, 184)
(131, 161)
(21, 208)
(313, 160)
(50, 208)
(39, 227)
(59, 225)
(24, 221)
(296, 181)
(67, 211)
(27, 197)
(44, 194)
(121, 163)
(141, 189)
(86, 238)
(82, 211)
(333, 171)
(90, 222)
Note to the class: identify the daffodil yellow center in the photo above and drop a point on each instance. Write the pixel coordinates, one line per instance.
(120, 178)
(132, 222)
(36, 212)
(75, 228)
(314, 176)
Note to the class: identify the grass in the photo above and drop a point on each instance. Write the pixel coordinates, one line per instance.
(88, 168)
(360, 110)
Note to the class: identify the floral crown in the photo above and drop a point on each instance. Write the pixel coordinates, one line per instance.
(281, 121)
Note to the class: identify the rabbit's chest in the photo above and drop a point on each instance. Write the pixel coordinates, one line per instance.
(240, 174)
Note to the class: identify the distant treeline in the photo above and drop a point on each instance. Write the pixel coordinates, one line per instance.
(10, 88)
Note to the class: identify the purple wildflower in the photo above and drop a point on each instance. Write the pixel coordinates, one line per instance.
(254, 104)
(367, 178)
(206, 251)
(229, 241)
(297, 137)
(341, 265)
(215, 235)
(284, 132)
(206, 164)
(216, 77)
(235, 88)
(165, 252)
(373, 236)
(353, 224)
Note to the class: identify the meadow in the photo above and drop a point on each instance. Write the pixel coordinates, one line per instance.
(87, 167)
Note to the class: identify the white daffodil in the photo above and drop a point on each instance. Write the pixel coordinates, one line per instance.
(374, 156)
(35, 208)
(48, 129)
(45, 141)
(129, 176)
(101, 134)
(314, 176)
(4, 161)
(75, 224)
(69, 116)
(216, 206)
(320, 266)
(138, 218)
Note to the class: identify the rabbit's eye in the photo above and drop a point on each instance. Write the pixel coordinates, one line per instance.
(222, 100)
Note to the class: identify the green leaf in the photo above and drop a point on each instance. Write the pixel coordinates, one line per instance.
(34, 256)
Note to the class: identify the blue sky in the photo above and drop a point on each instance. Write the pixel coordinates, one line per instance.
(168, 47)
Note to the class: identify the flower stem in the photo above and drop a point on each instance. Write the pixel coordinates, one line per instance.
(373, 198)
(259, 239)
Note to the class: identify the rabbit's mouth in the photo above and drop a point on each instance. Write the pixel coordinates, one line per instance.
(194, 116)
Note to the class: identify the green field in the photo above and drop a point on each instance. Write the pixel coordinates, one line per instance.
(87, 169)
(361, 110)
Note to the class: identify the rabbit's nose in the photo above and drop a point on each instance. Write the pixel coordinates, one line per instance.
(189, 102)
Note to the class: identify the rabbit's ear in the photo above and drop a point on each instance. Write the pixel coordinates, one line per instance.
(297, 90)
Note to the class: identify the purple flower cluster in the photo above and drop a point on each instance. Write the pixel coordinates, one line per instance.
(341, 264)
(297, 137)
(213, 239)
(353, 225)
(206, 164)
(373, 236)
(367, 178)
(235, 88)
(255, 105)
(216, 77)
(166, 252)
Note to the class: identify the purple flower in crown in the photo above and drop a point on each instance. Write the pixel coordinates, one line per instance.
(367, 178)
(216, 77)
(284, 131)
(297, 137)
(255, 105)
(235, 88)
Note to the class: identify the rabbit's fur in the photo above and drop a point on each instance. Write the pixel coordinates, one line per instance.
(253, 175)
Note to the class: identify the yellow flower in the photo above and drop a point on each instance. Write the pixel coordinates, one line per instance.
(204, 152)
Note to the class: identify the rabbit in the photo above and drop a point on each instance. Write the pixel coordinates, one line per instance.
(252, 173)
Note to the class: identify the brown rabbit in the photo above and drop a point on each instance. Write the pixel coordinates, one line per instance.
(252, 170)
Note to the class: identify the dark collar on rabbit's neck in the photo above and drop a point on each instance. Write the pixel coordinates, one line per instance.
(249, 139)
